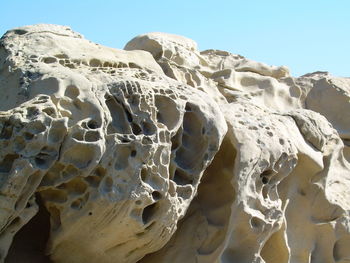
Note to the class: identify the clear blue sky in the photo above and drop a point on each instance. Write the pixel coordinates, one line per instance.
(306, 35)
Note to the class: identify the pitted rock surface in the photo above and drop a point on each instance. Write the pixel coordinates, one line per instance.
(163, 153)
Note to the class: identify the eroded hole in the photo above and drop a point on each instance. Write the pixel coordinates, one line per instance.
(267, 173)
(188, 107)
(20, 31)
(7, 163)
(49, 111)
(182, 178)
(156, 195)
(133, 65)
(78, 136)
(76, 186)
(92, 124)
(92, 136)
(43, 160)
(264, 180)
(72, 92)
(95, 63)
(100, 171)
(192, 124)
(148, 128)
(136, 128)
(148, 213)
(184, 191)
(93, 181)
(146, 140)
(119, 120)
(301, 192)
(32, 112)
(125, 140)
(167, 112)
(256, 222)
(77, 204)
(133, 153)
(49, 60)
(28, 136)
(265, 176)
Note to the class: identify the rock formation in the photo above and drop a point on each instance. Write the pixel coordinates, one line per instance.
(162, 153)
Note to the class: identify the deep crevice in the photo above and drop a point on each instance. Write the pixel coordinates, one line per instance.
(29, 244)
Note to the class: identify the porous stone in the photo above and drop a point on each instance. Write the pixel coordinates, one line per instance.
(114, 148)
(163, 153)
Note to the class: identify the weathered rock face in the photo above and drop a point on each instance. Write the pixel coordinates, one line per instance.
(162, 153)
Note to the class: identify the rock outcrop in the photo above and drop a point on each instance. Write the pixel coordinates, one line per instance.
(162, 153)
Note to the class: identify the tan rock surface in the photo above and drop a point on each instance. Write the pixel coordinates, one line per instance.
(163, 153)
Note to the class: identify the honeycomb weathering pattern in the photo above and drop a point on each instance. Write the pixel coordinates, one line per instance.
(162, 153)
(115, 151)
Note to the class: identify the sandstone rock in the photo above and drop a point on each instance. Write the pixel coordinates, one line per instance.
(322, 88)
(215, 72)
(114, 148)
(163, 153)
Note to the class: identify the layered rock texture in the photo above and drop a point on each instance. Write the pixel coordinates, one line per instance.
(162, 153)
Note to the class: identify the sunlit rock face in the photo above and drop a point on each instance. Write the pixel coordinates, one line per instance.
(162, 153)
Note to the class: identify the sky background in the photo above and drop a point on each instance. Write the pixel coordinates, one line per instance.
(304, 35)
